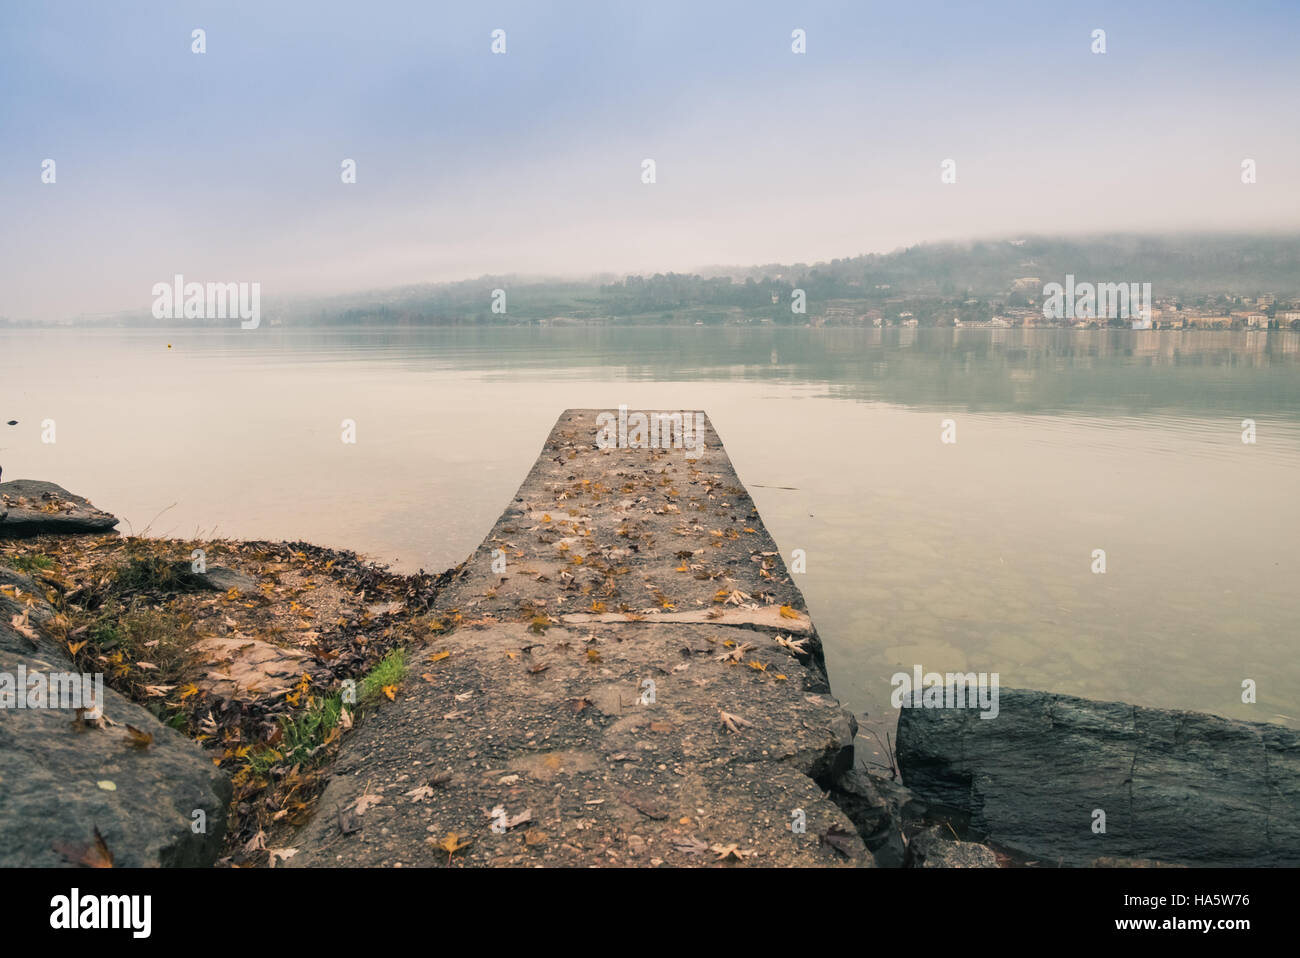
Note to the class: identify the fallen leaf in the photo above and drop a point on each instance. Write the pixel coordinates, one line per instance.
(365, 802)
(92, 855)
(731, 852)
(691, 845)
(281, 854)
(137, 738)
(451, 844)
(733, 722)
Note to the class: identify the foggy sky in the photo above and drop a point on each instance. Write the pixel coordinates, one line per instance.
(225, 166)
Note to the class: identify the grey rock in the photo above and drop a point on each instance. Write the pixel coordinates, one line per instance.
(1108, 862)
(59, 783)
(31, 507)
(881, 810)
(1182, 787)
(839, 758)
(935, 848)
(220, 579)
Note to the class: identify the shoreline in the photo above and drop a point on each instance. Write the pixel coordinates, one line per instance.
(622, 673)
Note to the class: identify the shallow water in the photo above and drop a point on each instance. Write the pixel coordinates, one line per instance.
(972, 556)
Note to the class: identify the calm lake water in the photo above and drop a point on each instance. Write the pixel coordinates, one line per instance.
(973, 556)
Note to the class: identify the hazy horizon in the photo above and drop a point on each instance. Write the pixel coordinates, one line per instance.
(225, 166)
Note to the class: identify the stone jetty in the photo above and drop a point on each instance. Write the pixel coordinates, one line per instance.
(628, 677)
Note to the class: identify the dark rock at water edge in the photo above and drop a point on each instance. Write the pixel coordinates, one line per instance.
(1181, 787)
(937, 847)
(881, 810)
(30, 507)
(59, 784)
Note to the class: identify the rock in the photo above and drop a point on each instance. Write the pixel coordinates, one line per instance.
(935, 848)
(839, 758)
(1106, 861)
(239, 663)
(220, 579)
(30, 507)
(59, 784)
(1183, 787)
(880, 809)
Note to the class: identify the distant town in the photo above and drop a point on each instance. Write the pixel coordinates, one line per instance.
(1025, 310)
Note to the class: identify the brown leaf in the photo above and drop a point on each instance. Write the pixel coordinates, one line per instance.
(691, 845)
(92, 855)
(733, 722)
(732, 852)
(138, 739)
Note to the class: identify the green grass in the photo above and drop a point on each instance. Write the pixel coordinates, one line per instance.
(37, 562)
(387, 671)
(306, 732)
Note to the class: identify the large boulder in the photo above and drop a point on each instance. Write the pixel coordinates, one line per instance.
(65, 784)
(29, 507)
(1181, 787)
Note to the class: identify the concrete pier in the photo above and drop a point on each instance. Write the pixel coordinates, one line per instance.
(623, 673)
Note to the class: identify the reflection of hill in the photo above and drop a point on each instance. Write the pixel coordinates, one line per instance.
(1040, 370)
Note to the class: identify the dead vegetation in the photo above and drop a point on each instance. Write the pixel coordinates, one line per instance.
(145, 614)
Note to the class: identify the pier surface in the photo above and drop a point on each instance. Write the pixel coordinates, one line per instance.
(639, 684)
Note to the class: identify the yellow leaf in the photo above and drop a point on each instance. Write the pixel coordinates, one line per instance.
(788, 613)
(391, 692)
(439, 656)
(451, 844)
(188, 690)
